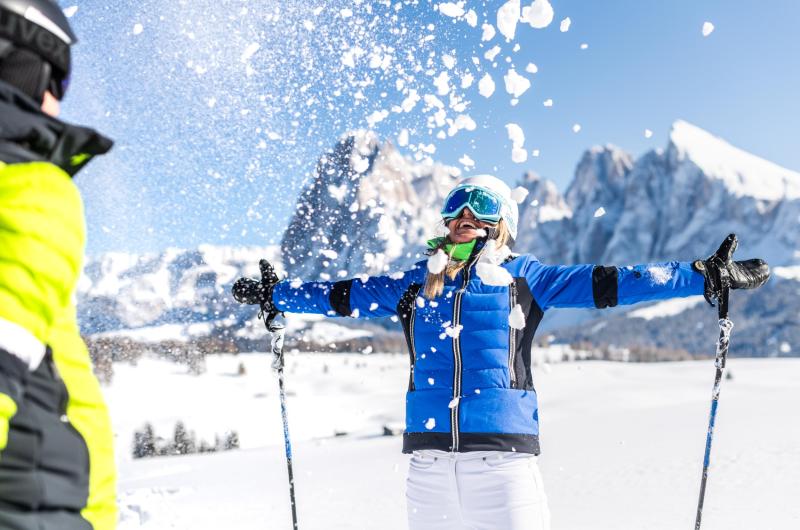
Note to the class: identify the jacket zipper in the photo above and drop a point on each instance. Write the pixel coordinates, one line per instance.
(457, 359)
(512, 334)
(413, 348)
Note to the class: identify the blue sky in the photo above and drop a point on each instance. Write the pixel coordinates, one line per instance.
(192, 103)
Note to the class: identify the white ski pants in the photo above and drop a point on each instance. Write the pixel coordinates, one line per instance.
(483, 490)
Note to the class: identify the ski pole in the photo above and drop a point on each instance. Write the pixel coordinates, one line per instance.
(725, 327)
(277, 329)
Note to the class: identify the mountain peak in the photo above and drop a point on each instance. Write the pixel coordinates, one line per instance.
(743, 173)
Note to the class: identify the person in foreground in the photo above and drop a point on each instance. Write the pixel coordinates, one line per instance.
(57, 468)
(470, 312)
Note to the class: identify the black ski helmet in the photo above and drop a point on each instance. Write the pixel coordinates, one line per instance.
(35, 41)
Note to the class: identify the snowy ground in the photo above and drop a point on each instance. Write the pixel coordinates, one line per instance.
(622, 444)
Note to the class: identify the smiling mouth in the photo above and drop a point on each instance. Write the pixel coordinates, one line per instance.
(467, 225)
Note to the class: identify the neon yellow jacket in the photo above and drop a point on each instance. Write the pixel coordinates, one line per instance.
(42, 237)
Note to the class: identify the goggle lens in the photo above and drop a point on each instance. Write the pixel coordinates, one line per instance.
(482, 203)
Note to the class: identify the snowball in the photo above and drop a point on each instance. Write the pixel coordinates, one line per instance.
(519, 155)
(430, 424)
(576, 128)
(708, 29)
(519, 194)
(491, 54)
(660, 275)
(488, 32)
(531, 68)
(565, 24)
(495, 275)
(402, 138)
(472, 18)
(600, 212)
(452, 10)
(438, 262)
(539, 14)
(516, 319)
(507, 18)
(138, 29)
(548, 103)
(486, 86)
(515, 134)
(516, 85)
(467, 161)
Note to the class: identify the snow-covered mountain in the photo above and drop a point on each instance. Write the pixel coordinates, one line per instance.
(370, 210)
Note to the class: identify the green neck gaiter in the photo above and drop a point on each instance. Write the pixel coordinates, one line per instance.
(462, 251)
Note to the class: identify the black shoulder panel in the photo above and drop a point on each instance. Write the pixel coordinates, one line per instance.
(605, 282)
(340, 297)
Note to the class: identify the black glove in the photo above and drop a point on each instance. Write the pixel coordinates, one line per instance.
(720, 271)
(250, 291)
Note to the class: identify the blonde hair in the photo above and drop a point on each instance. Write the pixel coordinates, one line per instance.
(434, 283)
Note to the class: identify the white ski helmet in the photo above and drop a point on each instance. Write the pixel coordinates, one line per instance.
(507, 208)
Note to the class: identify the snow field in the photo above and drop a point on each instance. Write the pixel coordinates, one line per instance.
(622, 444)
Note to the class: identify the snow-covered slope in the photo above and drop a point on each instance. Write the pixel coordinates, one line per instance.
(622, 445)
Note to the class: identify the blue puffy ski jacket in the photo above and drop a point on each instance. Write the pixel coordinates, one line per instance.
(471, 386)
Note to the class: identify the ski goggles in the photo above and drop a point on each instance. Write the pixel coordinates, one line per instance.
(484, 205)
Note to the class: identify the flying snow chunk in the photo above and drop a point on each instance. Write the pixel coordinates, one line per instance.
(402, 138)
(438, 262)
(516, 85)
(360, 164)
(466, 80)
(453, 403)
(648, 133)
(486, 86)
(494, 275)
(138, 29)
(346, 13)
(515, 134)
(449, 9)
(442, 84)
(600, 212)
(576, 128)
(786, 347)
(453, 331)
(660, 275)
(531, 68)
(373, 306)
(708, 29)
(539, 14)
(328, 253)
(376, 117)
(431, 381)
(467, 161)
(251, 50)
(337, 192)
(308, 25)
(584, 46)
(488, 32)
(430, 424)
(548, 103)
(535, 152)
(491, 54)
(516, 319)
(565, 24)
(449, 61)
(519, 194)
(507, 18)
(472, 18)
(518, 155)
(69, 12)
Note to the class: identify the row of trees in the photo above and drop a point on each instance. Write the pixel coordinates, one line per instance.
(183, 442)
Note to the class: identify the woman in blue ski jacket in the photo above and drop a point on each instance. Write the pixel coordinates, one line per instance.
(470, 313)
